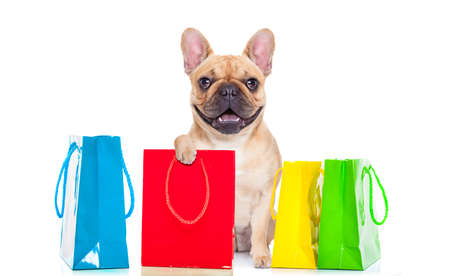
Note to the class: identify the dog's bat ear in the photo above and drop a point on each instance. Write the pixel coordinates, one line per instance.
(260, 49)
(195, 49)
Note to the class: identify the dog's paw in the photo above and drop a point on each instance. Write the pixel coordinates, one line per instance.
(187, 156)
(261, 257)
(184, 150)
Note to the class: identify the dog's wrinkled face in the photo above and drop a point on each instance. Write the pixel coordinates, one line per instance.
(227, 91)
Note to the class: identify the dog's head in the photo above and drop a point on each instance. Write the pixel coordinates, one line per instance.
(228, 94)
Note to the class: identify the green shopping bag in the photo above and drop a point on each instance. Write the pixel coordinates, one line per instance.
(348, 234)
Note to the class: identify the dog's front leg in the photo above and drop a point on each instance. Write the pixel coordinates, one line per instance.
(260, 223)
(185, 149)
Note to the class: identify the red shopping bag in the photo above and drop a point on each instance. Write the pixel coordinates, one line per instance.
(188, 210)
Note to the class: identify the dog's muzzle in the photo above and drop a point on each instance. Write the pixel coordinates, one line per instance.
(229, 111)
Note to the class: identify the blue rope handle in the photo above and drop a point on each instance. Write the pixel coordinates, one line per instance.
(130, 187)
(64, 169)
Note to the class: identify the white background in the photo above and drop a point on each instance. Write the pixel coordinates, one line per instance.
(350, 79)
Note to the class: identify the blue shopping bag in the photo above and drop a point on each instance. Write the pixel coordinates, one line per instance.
(93, 206)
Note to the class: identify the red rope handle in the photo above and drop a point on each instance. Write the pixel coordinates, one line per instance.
(172, 210)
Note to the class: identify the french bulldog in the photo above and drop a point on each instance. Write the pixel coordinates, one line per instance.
(228, 102)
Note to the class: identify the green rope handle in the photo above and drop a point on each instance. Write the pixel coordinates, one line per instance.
(383, 192)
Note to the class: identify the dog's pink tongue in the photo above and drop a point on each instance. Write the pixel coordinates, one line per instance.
(229, 118)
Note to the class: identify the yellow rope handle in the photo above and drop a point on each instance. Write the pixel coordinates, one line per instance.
(318, 197)
(274, 190)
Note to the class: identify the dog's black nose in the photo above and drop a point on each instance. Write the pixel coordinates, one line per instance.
(228, 90)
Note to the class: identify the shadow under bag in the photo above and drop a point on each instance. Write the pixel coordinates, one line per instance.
(93, 206)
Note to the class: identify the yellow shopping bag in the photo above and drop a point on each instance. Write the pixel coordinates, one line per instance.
(298, 215)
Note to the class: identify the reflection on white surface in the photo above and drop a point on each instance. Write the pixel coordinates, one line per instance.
(242, 265)
(373, 269)
(171, 271)
(66, 271)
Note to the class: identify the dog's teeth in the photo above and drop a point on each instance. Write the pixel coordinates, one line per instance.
(229, 118)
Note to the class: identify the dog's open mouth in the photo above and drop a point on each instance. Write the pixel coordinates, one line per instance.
(229, 122)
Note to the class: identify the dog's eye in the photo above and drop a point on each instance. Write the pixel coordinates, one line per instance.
(204, 83)
(252, 84)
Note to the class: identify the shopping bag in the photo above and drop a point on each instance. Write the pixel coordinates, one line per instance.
(188, 210)
(93, 207)
(298, 215)
(348, 237)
